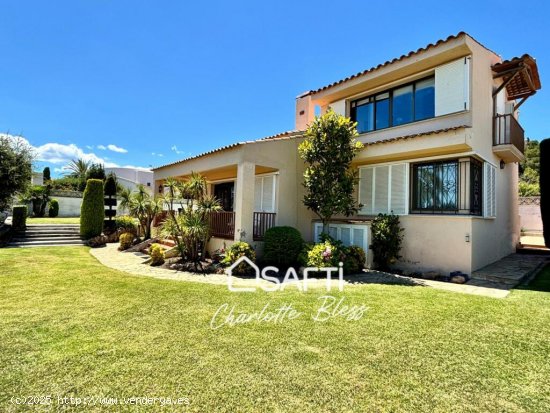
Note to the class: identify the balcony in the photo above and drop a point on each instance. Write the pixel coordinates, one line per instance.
(508, 138)
(222, 224)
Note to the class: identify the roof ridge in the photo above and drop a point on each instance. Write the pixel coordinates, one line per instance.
(397, 59)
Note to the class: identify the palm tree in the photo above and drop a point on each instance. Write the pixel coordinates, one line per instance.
(78, 168)
(144, 207)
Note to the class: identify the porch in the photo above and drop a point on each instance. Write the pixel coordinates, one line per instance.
(248, 195)
(222, 224)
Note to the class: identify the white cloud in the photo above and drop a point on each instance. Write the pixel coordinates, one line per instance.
(175, 149)
(89, 147)
(115, 148)
(102, 147)
(61, 154)
(157, 154)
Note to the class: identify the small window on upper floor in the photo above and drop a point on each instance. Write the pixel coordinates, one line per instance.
(404, 104)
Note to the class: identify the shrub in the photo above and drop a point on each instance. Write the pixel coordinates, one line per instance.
(545, 189)
(387, 236)
(157, 254)
(327, 253)
(126, 223)
(54, 208)
(70, 183)
(19, 220)
(126, 241)
(236, 251)
(98, 241)
(92, 211)
(355, 259)
(282, 246)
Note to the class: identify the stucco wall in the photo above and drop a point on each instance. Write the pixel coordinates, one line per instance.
(529, 212)
(436, 243)
(69, 207)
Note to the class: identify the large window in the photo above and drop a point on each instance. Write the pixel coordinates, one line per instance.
(447, 187)
(405, 104)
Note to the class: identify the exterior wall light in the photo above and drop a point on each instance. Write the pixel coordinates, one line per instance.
(502, 164)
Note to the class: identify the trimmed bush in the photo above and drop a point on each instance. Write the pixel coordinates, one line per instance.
(236, 251)
(126, 223)
(126, 241)
(545, 189)
(282, 246)
(92, 211)
(19, 220)
(387, 236)
(157, 254)
(54, 208)
(355, 260)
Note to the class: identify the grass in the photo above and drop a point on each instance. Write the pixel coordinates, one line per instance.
(542, 281)
(71, 327)
(56, 220)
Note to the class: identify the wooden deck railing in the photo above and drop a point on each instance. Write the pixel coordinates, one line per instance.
(222, 224)
(262, 222)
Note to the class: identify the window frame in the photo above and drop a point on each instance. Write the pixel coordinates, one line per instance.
(372, 98)
(462, 188)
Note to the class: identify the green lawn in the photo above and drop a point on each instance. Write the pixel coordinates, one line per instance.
(542, 281)
(57, 220)
(71, 327)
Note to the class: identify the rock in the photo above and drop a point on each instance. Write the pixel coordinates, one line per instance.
(431, 275)
(458, 279)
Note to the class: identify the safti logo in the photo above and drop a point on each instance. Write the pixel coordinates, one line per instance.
(274, 283)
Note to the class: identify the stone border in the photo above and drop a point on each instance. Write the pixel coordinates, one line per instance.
(133, 263)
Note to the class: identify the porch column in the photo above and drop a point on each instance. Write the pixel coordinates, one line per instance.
(244, 202)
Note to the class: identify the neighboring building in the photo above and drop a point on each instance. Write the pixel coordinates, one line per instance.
(37, 178)
(132, 177)
(442, 143)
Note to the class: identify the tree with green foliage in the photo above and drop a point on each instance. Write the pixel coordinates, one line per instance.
(96, 171)
(92, 211)
(16, 158)
(78, 167)
(329, 147)
(529, 170)
(46, 175)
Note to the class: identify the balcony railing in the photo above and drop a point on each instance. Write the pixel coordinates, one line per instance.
(508, 131)
(262, 222)
(222, 224)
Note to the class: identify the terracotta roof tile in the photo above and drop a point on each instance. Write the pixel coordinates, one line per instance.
(397, 59)
(278, 136)
(416, 135)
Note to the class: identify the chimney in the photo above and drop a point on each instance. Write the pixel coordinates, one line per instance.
(305, 111)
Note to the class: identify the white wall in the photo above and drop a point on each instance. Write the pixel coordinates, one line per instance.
(68, 206)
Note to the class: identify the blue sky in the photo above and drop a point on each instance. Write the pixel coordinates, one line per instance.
(162, 80)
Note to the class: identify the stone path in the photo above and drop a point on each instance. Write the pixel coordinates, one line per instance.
(132, 263)
(508, 272)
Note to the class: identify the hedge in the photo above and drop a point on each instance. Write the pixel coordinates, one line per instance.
(92, 212)
(19, 219)
(54, 208)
